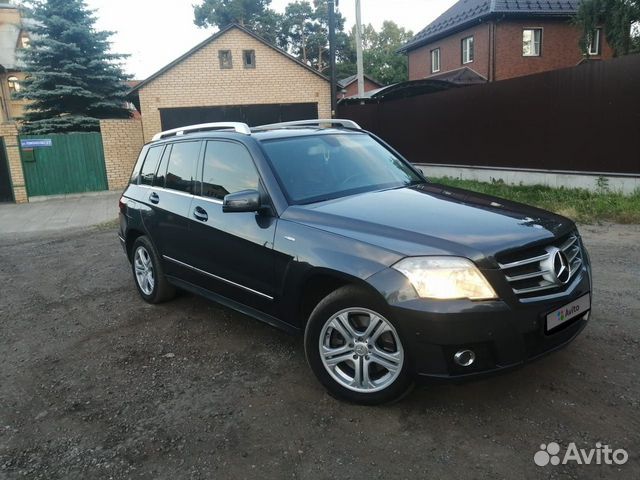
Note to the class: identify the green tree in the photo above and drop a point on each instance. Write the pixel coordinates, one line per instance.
(380, 57)
(73, 79)
(253, 14)
(297, 27)
(620, 19)
(305, 33)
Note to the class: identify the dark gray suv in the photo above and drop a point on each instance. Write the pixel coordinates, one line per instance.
(320, 228)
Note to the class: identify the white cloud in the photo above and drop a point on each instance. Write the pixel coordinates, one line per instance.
(154, 33)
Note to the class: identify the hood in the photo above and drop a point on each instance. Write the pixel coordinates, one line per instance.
(432, 219)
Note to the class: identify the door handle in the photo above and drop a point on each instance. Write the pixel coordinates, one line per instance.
(200, 214)
(154, 198)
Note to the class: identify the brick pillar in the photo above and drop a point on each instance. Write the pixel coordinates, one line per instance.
(122, 141)
(9, 132)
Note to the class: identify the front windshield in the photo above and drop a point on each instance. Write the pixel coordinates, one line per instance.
(322, 167)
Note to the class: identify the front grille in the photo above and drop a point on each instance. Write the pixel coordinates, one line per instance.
(531, 273)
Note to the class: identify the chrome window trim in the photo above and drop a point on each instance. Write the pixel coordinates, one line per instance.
(222, 279)
(168, 190)
(209, 199)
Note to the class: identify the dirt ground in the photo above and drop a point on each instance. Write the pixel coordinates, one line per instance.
(95, 383)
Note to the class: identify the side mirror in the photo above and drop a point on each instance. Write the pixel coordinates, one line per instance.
(420, 170)
(243, 201)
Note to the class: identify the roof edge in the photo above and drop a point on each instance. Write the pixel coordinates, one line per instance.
(211, 39)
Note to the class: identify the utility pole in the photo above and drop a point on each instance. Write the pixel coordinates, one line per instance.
(332, 55)
(359, 62)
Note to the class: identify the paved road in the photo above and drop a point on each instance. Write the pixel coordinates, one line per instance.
(63, 214)
(97, 384)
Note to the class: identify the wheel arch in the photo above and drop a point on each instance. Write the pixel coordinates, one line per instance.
(130, 239)
(319, 283)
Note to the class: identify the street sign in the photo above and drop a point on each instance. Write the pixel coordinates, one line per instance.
(36, 143)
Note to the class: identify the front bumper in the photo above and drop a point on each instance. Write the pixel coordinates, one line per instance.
(503, 334)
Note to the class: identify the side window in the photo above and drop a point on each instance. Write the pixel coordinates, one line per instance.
(182, 162)
(227, 168)
(159, 179)
(150, 165)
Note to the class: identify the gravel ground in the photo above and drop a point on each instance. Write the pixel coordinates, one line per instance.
(97, 384)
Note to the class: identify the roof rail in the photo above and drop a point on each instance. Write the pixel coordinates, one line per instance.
(204, 127)
(302, 123)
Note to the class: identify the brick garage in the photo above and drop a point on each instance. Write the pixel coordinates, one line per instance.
(197, 80)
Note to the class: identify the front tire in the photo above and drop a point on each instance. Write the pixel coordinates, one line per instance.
(148, 275)
(354, 349)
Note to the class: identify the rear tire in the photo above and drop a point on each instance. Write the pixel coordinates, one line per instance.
(354, 349)
(148, 274)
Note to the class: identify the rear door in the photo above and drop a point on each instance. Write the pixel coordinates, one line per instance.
(233, 251)
(169, 197)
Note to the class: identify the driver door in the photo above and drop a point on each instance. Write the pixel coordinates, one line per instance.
(234, 251)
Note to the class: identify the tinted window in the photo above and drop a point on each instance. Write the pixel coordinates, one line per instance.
(162, 169)
(150, 165)
(320, 167)
(227, 168)
(182, 162)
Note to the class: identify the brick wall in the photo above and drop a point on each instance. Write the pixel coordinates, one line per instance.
(451, 54)
(560, 48)
(122, 141)
(9, 132)
(352, 88)
(198, 81)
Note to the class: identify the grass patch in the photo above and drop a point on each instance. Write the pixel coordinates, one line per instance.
(580, 205)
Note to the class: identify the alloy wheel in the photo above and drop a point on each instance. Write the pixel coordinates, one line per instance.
(144, 270)
(361, 350)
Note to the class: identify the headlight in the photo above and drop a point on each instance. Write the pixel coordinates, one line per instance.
(445, 278)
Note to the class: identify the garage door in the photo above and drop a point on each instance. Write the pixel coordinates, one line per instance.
(250, 114)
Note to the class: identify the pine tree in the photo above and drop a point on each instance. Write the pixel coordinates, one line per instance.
(73, 78)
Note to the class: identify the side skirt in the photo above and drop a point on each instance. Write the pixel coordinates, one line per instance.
(227, 302)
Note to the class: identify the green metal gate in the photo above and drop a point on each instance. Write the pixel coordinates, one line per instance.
(63, 163)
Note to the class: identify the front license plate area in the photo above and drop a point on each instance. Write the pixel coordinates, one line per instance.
(571, 310)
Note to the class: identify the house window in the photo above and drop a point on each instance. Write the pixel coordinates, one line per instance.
(594, 42)
(467, 50)
(531, 42)
(226, 60)
(249, 58)
(435, 60)
(14, 84)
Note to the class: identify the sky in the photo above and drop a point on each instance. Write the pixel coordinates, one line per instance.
(155, 32)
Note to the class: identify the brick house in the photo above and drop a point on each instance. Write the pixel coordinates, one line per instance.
(348, 87)
(234, 75)
(501, 39)
(13, 37)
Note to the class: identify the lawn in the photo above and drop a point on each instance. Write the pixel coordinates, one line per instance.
(581, 205)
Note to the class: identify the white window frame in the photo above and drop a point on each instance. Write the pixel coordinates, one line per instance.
(435, 53)
(466, 43)
(597, 37)
(533, 40)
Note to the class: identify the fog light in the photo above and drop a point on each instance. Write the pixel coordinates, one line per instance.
(464, 358)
